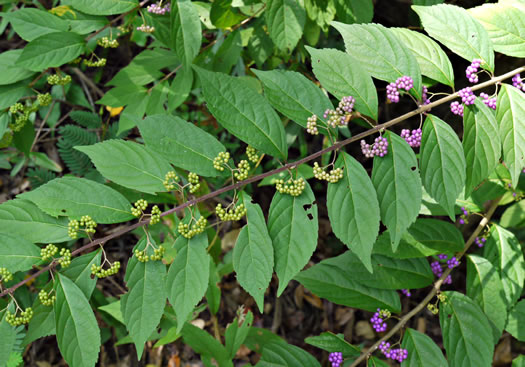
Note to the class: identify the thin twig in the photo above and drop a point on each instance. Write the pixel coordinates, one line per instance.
(435, 288)
(88, 81)
(42, 124)
(285, 167)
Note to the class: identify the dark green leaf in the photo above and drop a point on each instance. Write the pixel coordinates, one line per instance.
(422, 351)
(102, 7)
(285, 355)
(333, 343)
(285, 20)
(79, 271)
(186, 34)
(206, 345)
(354, 11)
(17, 253)
(42, 323)
(223, 15)
(31, 23)
(10, 72)
(237, 332)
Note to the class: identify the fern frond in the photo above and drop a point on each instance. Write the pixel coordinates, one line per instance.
(39, 176)
(71, 136)
(112, 132)
(15, 360)
(87, 119)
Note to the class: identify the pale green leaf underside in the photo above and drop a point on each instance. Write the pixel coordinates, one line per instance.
(285, 20)
(422, 351)
(102, 7)
(505, 25)
(380, 52)
(181, 143)
(293, 227)
(332, 69)
(24, 219)
(18, 254)
(78, 334)
(353, 209)
(74, 197)
(51, 50)
(509, 114)
(243, 112)
(128, 164)
(432, 60)
(443, 166)
(459, 31)
(396, 179)
(253, 253)
(463, 322)
(481, 143)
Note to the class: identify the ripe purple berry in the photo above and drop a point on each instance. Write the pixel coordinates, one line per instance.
(377, 322)
(413, 138)
(456, 108)
(491, 102)
(518, 82)
(472, 71)
(452, 262)
(406, 292)
(467, 96)
(379, 148)
(336, 359)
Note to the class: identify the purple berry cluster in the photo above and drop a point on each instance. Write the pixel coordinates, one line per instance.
(413, 138)
(378, 323)
(491, 102)
(392, 89)
(452, 262)
(158, 8)
(406, 292)
(398, 354)
(336, 358)
(472, 71)
(463, 216)
(456, 108)
(518, 82)
(424, 96)
(437, 269)
(442, 256)
(480, 241)
(379, 148)
(467, 96)
(340, 116)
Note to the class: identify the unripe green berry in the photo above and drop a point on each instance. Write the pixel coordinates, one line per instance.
(48, 252)
(252, 154)
(221, 159)
(65, 260)
(5, 275)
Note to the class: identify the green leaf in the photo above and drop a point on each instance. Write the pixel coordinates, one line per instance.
(253, 253)
(509, 111)
(243, 112)
(204, 344)
(83, 23)
(340, 286)
(408, 248)
(513, 216)
(129, 164)
(17, 253)
(8, 341)
(224, 15)
(285, 355)
(143, 305)
(10, 72)
(258, 338)
(503, 250)
(186, 33)
(422, 351)
(459, 31)
(462, 323)
(293, 95)
(505, 26)
(481, 143)
(516, 322)
(113, 310)
(102, 7)
(398, 185)
(30, 23)
(519, 362)
(432, 60)
(380, 52)
(331, 69)
(484, 287)
(443, 166)
(293, 227)
(42, 323)
(51, 50)
(78, 334)
(353, 208)
(22, 218)
(188, 276)
(437, 234)
(237, 332)
(180, 88)
(74, 197)
(126, 94)
(181, 143)
(285, 20)
(333, 343)
(79, 271)
(10, 94)
(354, 11)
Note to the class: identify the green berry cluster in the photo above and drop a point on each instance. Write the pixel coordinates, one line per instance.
(45, 299)
(155, 215)
(6, 139)
(385, 314)
(5, 275)
(44, 99)
(433, 308)
(198, 227)
(24, 318)
(72, 228)
(193, 179)
(291, 187)
(48, 252)
(65, 260)
(252, 154)
(333, 176)
(140, 206)
(21, 114)
(88, 223)
(231, 214)
(158, 253)
(95, 64)
(58, 80)
(243, 170)
(97, 270)
(107, 43)
(169, 180)
(221, 160)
